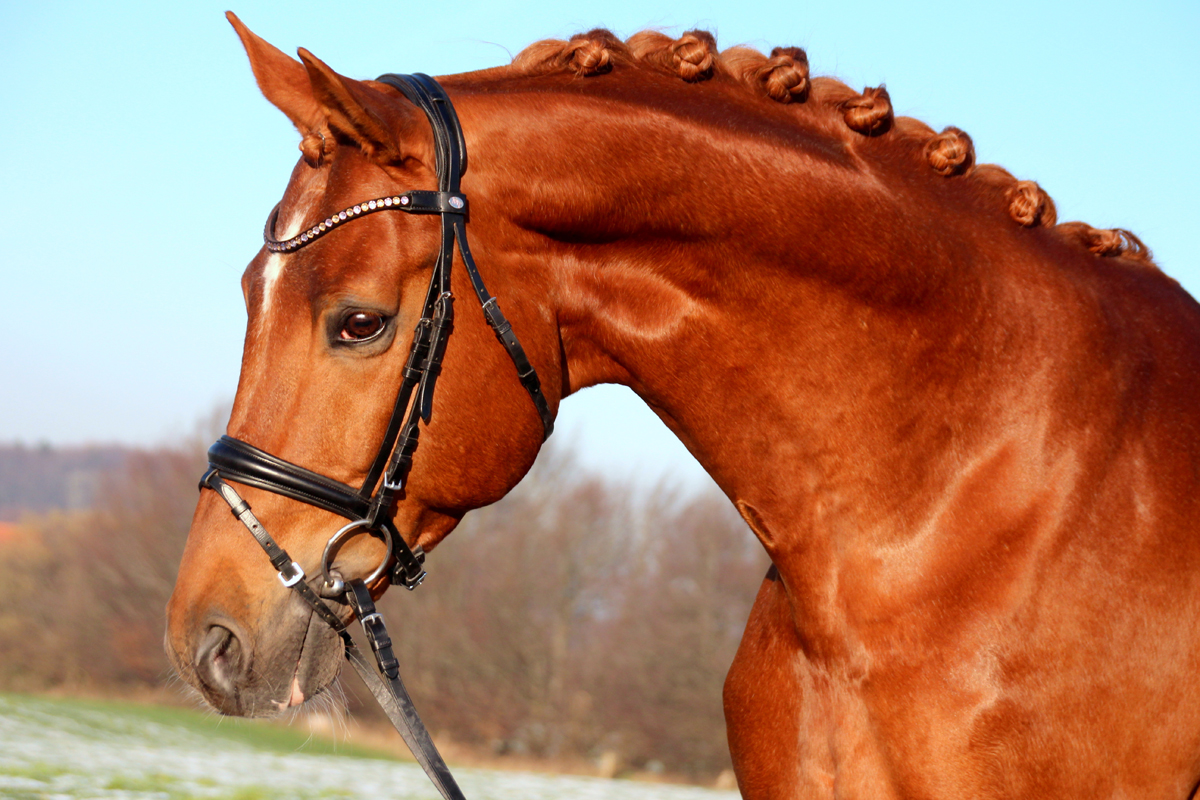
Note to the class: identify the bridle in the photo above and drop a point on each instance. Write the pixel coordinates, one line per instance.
(369, 507)
(372, 502)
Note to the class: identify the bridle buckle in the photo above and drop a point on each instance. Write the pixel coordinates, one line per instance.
(291, 574)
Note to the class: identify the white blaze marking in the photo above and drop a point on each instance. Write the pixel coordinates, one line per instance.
(302, 213)
(271, 271)
(274, 265)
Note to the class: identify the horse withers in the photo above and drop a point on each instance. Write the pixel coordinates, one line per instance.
(966, 435)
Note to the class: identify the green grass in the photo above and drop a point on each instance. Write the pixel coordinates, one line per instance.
(263, 735)
(43, 773)
(169, 787)
(143, 783)
(100, 718)
(166, 786)
(18, 794)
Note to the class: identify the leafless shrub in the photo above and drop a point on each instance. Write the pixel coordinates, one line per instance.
(576, 617)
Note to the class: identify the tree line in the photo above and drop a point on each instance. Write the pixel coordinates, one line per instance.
(41, 478)
(576, 617)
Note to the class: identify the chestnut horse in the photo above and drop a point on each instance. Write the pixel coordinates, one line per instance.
(968, 437)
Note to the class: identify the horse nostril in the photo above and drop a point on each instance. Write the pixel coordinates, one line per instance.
(219, 659)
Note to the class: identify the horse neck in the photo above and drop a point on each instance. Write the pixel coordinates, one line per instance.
(791, 304)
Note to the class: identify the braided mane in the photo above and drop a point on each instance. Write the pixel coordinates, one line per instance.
(783, 77)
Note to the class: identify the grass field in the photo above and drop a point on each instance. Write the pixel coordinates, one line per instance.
(82, 749)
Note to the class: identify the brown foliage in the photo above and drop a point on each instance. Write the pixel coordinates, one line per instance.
(570, 619)
(573, 618)
(82, 594)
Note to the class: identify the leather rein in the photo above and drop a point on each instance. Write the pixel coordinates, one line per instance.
(370, 506)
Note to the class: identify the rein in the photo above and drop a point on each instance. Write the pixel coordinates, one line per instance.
(369, 507)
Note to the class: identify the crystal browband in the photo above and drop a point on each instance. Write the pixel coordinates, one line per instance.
(414, 202)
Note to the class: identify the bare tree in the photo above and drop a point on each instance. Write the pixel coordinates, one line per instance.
(576, 617)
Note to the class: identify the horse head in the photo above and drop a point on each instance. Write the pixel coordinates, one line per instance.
(328, 336)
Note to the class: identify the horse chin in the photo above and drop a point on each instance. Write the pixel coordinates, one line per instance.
(285, 669)
(320, 661)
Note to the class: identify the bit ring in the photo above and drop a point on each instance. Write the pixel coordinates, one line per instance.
(334, 585)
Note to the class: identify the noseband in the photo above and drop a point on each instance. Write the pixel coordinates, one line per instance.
(369, 507)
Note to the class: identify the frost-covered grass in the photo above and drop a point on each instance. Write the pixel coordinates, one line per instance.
(80, 750)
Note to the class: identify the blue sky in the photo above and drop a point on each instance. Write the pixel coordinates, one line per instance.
(142, 161)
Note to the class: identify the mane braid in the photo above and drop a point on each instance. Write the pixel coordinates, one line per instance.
(783, 78)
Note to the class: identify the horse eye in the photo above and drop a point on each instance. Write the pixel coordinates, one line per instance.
(360, 326)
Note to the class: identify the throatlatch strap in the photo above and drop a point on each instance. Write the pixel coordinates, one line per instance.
(428, 95)
(504, 332)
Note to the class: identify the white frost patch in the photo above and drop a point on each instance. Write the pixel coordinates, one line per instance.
(50, 751)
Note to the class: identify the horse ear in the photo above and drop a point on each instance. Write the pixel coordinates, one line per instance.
(370, 118)
(282, 80)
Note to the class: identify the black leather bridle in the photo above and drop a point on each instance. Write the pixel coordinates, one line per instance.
(369, 507)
